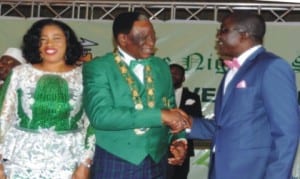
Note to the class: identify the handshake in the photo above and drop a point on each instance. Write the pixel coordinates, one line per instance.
(177, 120)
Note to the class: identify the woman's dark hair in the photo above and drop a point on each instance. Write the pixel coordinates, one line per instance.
(31, 42)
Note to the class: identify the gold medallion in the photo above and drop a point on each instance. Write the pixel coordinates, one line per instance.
(118, 59)
(149, 79)
(135, 93)
(129, 80)
(151, 104)
(147, 68)
(151, 92)
(123, 70)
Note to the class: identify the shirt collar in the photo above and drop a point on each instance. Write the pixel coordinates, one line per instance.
(178, 94)
(125, 56)
(179, 89)
(242, 58)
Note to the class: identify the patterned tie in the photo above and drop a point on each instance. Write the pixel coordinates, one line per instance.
(232, 63)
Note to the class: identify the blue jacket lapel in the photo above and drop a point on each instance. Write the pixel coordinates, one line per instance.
(219, 98)
(240, 74)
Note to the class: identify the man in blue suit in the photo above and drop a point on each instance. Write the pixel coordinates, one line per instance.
(256, 128)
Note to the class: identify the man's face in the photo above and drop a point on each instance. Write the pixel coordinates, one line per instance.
(228, 39)
(140, 42)
(6, 64)
(177, 77)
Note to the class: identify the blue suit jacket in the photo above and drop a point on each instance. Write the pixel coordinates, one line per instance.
(256, 128)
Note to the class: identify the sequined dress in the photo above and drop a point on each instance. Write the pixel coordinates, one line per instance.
(44, 132)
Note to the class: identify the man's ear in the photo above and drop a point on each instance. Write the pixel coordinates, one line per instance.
(122, 38)
(245, 35)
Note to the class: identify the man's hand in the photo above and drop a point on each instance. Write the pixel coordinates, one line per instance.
(176, 119)
(179, 150)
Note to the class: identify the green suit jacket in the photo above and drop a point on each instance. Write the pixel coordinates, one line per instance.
(110, 108)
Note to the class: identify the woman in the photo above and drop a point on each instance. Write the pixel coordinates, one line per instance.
(44, 131)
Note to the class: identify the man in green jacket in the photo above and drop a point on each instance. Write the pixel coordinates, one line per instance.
(129, 98)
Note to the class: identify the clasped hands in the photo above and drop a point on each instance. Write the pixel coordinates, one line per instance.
(178, 150)
(176, 119)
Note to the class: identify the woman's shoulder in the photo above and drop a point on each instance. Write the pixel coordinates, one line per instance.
(22, 68)
(28, 68)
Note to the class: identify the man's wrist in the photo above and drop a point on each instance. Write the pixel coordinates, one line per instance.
(165, 115)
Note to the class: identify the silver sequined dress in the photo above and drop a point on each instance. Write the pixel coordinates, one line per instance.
(48, 143)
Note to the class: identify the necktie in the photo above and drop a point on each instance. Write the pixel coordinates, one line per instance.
(232, 63)
(138, 68)
(134, 63)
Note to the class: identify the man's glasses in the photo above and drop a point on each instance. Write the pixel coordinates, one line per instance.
(226, 30)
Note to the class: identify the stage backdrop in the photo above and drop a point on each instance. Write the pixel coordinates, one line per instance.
(190, 44)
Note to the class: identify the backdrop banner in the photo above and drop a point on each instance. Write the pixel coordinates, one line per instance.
(190, 44)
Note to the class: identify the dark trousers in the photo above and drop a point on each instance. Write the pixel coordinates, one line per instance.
(212, 172)
(108, 166)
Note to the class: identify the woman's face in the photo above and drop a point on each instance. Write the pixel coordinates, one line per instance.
(53, 44)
